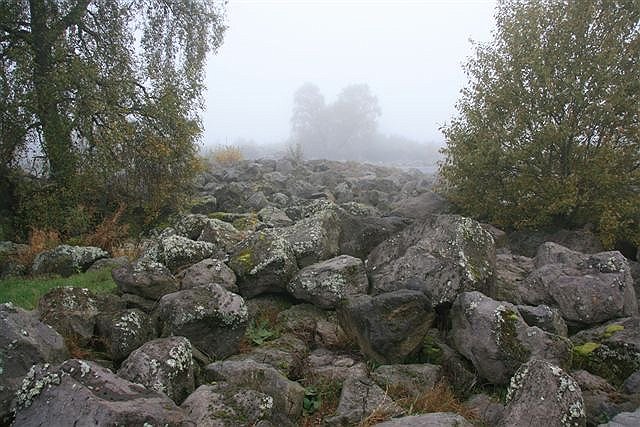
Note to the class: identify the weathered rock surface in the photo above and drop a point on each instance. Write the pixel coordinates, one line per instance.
(327, 283)
(164, 365)
(541, 393)
(387, 327)
(223, 235)
(326, 365)
(208, 271)
(488, 410)
(495, 338)
(511, 272)
(412, 380)
(80, 392)
(264, 262)
(441, 256)
(285, 353)
(601, 400)
(24, 341)
(124, 331)
(313, 325)
(145, 278)
(421, 206)
(625, 419)
(66, 260)
(435, 419)
(178, 252)
(546, 318)
(212, 318)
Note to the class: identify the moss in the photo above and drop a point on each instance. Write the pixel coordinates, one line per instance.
(507, 336)
(614, 362)
(222, 216)
(586, 349)
(612, 329)
(245, 258)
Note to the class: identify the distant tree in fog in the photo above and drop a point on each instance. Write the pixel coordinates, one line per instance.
(308, 127)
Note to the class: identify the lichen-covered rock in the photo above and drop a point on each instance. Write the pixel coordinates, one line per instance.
(24, 341)
(81, 393)
(546, 318)
(327, 366)
(587, 289)
(315, 238)
(178, 252)
(124, 331)
(434, 419)
(145, 278)
(217, 406)
(362, 231)
(327, 283)
(411, 380)
(110, 263)
(274, 217)
(287, 395)
(541, 393)
(421, 206)
(488, 410)
(73, 311)
(313, 325)
(495, 338)
(359, 398)
(164, 365)
(222, 234)
(9, 263)
(204, 205)
(212, 318)
(66, 260)
(208, 271)
(511, 272)
(387, 327)
(611, 351)
(441, 256)
(264, 262)
(285, 353)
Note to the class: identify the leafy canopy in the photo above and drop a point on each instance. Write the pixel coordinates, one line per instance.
(548, 129)
(106, 93)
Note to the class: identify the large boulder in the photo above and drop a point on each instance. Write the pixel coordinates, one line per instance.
(178, 252)
(264, 262)
(287, 395)
(495, 338)
(145, 278)
(327, 366)
(544, 317)
(285, 353)
(601, 400)
(222, 234)
(24, 342)
(123, 331)
(441, 256)
(66, 260)
(208, 271)
(410, 380)
(164, 365)
(421, 206)
(624, 419)
(587, 289)
(434, 419)
(511, 272)
(362, 231)
(388, 327)
(315, 238)
(541, 393)
(327, 283)
(212, 318)
(78, 392)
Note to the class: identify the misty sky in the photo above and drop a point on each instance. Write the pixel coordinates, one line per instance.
(409, 52)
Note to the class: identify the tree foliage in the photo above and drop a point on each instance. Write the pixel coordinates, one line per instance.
(107, 92)
(548, 130)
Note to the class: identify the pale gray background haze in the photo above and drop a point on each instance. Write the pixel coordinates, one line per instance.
(408, 52)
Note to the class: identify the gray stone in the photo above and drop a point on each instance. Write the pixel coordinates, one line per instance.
(511, 272)
(327, 366)
(546, 318)
(164, 365)
(212, 318)
(274, 217)
(435, 419)
(495, 338)
(146, 278)
(362, 232)
(285, 353)
(66, 260)
(24, 341)
(222, 234)
(544, 394)
(625, 419)
(441, 256)
(110, 263)
(421, 206)
(208, 271)
(409, 380)
(314, 326)
(124, 331)
(177, 252)
(327, 283)
(257, 201)
(83, 393)
(388, 327)
(601, 400)
(315, 238)
(204, 205)
(632, 383)
(264, 262)
(488, 410)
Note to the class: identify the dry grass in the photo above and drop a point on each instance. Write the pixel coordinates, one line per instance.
(76, 351)
(39, 241)
(329, 392)
(226, 155)
(379, 415)
(439, 399)
(110, 233)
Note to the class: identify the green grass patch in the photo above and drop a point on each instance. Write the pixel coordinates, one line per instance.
(25, 292)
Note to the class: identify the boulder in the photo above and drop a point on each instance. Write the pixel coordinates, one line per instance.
(407, 380)
(611, 351)
(177, 252)
(164, 365)
(222, 234)
(601, 400)
(327, 283)
(274, 217)
(212, 318)
(315, 238)
(434, 419)
(495, 338)
(285, 353)
(546, 318)
(527, 242)
(264, 262)
(66, 260)
(110, 263)
(124, 331)
(541, 393)
(362, 231)
(624, 419)
(208, 271)
(328, 366)
(359, 398)
(79, 392)
(511, 272)
(24, 342)
(10, 264)
(441, 256)
(489, 410)
(587, 289)
(388, 327)
(314, 326)
(287, 395)
(145, 278)
(73, 311)
(420, 206)
(204, 205)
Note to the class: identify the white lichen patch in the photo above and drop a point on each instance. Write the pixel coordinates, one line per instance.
(36, 380)
(180, 357)
(84, 368)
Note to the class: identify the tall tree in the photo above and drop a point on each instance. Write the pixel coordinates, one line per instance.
(548, 130)
(106, 88)
(308, 121)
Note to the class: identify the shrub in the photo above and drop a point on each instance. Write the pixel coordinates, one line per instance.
(227, 155)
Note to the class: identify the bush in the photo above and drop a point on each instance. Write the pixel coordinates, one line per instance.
(227, 155)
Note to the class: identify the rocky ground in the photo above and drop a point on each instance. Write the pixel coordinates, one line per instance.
(331, 294)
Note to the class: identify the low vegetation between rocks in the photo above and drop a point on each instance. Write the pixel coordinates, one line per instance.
(322, 293)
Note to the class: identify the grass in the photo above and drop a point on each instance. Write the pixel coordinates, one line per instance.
(25, 292)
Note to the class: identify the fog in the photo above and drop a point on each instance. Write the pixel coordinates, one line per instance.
(409, 53)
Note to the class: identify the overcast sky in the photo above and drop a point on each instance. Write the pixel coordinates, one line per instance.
(408, 52)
